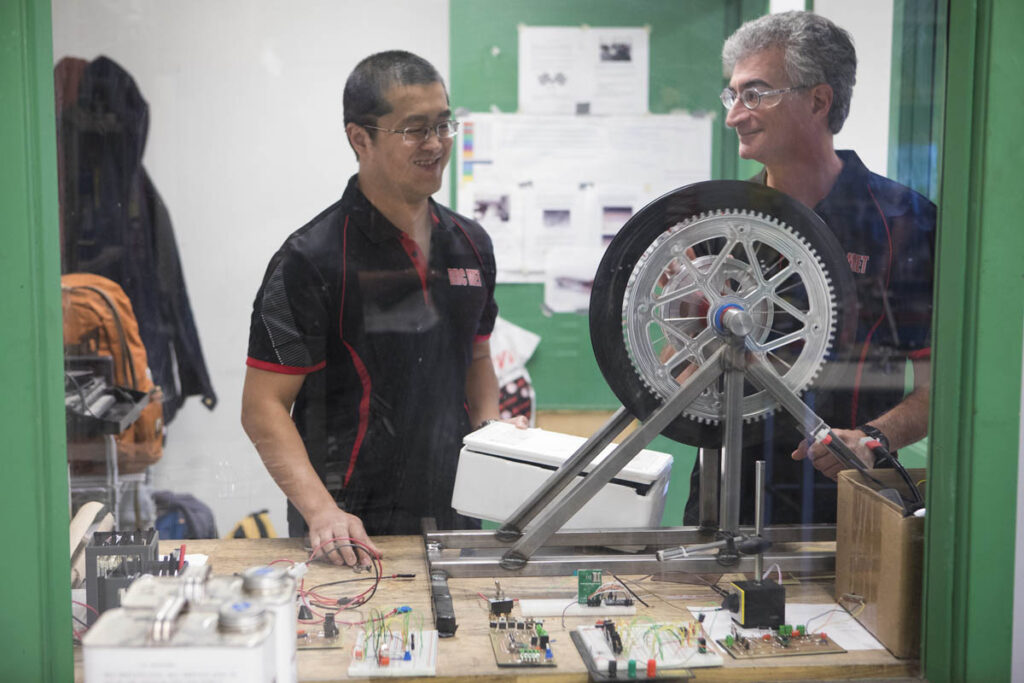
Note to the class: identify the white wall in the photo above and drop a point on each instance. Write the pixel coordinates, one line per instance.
(870, 23)
(246, 144)
(867, 129)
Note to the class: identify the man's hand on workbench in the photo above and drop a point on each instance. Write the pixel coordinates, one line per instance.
(827, 463)
(338, 524)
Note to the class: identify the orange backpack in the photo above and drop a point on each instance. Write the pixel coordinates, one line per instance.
(98, 320)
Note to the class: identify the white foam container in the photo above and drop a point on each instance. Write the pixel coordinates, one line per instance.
(500, 466)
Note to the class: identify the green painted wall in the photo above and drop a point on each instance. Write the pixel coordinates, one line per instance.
(35, 626)
(969, 568)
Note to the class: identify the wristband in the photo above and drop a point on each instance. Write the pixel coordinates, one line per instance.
(876, 434)
(484, 423)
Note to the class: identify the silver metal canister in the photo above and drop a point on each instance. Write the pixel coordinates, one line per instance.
(168, 645)
(275, 588)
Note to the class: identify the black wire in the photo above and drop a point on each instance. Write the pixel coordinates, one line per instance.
(635, 596)
(335, 583)
(353, 603)
(918, 501)
(909, 505)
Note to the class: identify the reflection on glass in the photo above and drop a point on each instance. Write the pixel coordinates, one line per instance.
(241, 130)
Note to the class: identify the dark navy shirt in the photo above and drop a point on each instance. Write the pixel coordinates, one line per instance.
(385, 340)
(888, 234)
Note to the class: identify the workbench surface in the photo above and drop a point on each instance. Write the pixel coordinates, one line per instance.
(468, 656)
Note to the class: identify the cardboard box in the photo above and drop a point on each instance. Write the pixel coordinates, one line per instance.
(879, 555)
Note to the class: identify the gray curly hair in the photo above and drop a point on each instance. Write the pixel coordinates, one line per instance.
(816, 51)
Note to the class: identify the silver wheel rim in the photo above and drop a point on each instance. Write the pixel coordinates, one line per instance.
(728, 257)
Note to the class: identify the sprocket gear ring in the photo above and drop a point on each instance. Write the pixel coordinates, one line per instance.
(636, 270)
(759, 262)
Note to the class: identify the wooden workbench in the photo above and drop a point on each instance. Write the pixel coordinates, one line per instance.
(467, 656)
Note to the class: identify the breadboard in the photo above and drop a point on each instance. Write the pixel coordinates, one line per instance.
(571, 608)
(671, 645)
(422, 656)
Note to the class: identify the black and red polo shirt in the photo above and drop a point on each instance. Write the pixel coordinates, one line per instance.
(888, 233)
(384, 338)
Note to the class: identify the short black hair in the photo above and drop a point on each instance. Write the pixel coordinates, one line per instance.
(364, 101)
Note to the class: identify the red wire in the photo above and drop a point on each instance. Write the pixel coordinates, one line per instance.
(374, 557)
(88, 607)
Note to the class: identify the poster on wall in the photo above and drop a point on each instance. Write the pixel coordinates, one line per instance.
(541, 184)
(583, 70)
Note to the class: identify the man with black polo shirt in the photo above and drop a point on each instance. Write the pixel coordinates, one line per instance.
(792, 76)
(368, 347)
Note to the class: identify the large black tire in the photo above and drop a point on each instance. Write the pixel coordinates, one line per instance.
(640, 232)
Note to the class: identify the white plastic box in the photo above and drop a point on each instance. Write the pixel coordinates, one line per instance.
(500, 466)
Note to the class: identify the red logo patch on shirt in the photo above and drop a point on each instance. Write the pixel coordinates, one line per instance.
(858, 262)
(461, 277)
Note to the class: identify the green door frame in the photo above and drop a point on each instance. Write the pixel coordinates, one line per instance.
(972, 492)
(975, 413)
(36, 624)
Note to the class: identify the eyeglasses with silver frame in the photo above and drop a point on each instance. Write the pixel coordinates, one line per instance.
(752, 97)
(445, 130)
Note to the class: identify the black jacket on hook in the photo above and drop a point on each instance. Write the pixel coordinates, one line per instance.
(115, 224)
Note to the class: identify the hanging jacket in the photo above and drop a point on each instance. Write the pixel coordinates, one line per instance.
(115, 224)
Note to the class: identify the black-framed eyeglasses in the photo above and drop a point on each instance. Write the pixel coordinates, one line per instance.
(752, 97)
(420, 134)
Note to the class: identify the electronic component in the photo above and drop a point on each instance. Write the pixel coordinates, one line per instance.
(757, 604)
(609, 599)
(500, 604)
(520, 642)
(441, 603)
(392, 653)
(641, 651)
(114, 559)
(587, 583)
(785, 641)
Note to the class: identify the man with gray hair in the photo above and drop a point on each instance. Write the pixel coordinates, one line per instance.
(791, 78)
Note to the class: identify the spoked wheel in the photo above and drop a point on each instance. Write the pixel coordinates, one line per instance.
(684, 257)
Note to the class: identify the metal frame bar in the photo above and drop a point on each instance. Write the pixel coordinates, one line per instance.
(551, 506)
(554, 516)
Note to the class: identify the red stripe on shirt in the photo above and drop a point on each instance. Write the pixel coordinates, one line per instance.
(471, 243)
(412, 250)
(283, 369)
(344, 280)
(871, 332)
(357, 362)
(364, 409)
